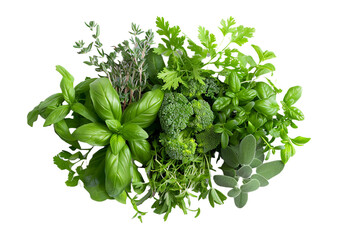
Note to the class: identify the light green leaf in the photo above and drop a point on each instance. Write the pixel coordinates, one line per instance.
(300, 141)
(259, 52)
(113, 125)
(264, 90)
(144, 112)
(33, 116)
(66, 84)
(132, 131)
(140, 150)
(57, 115)
(267, 106)
(117, 171)
(85, 112)
(116, 143)
(292, 95)
(105, 99)
(94, 134)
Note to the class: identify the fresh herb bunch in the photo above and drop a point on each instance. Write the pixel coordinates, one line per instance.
(172, 119)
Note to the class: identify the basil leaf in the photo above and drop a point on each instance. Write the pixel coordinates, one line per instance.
(263, 69)
(84, 86)
(137, 180)
(292, 95)
(66, 84)
(270, 169)
(113, 125)
(259, 52)
(264, 90)
(62, 130)
(233, 81)
(300, 141)
(94, 134)
(286, 153)
(57, 115)
(220, 103)
(295, 113)
(225, 181)
(267, 106)
(117, 171)
(33, 116)
(155, 64)
(116, 143)
(93, 176)
(85, 112)
(246, 95)
(131, 131)
(54, 100)
(105, 99)
(144, 112)
(140, 150)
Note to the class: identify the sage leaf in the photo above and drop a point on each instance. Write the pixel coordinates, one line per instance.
(244, 171)
(234, 192)
(241, 200)
(250, 186)
(247, 150)
(225, 181)
(262, 180)
(270, 169)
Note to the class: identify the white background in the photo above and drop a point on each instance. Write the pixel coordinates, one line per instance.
(315, 197)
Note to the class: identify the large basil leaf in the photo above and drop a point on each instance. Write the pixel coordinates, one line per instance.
(131, 131)
(57, 115)
(292, 95)
(246, 95)
(140, 150)
(233, 81)
(93, 176)
(264, 90)
(144, 112)
(67, 84)
(295, 113)
(267, 106)
(117, 171)
(105, 99)
(94, 134)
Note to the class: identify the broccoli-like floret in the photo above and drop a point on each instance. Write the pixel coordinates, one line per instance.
(210, 89)
(204, 116)
(180, 147)
(174, 113)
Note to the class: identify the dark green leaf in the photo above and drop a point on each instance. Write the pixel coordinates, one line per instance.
(84, 86)
(140, 150)
(32, 116)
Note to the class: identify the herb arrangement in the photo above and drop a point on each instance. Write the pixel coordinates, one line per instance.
(156, 119)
